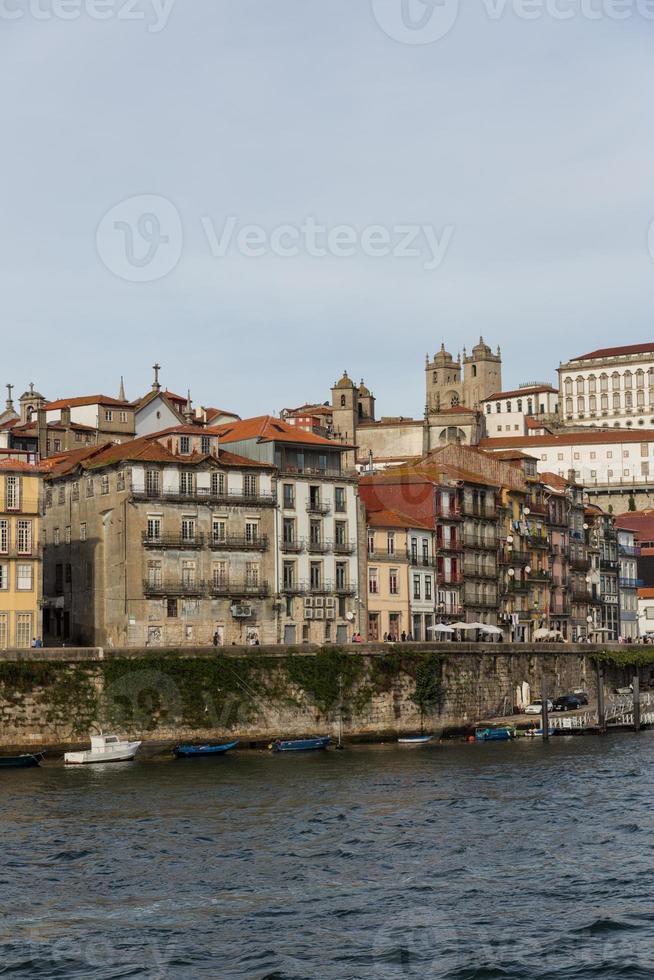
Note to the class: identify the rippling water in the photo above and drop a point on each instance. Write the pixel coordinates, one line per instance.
(459, 862)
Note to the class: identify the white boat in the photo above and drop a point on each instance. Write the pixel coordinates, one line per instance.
(415, 740)
(104, 748)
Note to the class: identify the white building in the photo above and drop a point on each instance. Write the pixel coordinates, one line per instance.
(423, 586)
(613, 386)
(511, 412)
(317, 537)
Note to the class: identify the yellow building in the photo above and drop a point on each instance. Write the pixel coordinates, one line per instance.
(388, 575)
(20, 553)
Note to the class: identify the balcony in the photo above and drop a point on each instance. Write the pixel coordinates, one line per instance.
(537, 541)
(202, 496)
(452, 612)
(174, 587)
(318, 507)
(422, 561)
(608, 564)
(173, 541)
(295, 588)
(489, 512)
(580, 564)
(485, 573)
(537, 507)
(449, 546)
(631, 583)
(629, 551)
(396, 557)
(454, 514)
(518, 587)
(236, 588)
(560, 609)
(235, 542)
(28, 554)
(580, 595)
(513, 557)
(344, 547)
(471, 541)
(479, 602)
(293, 546)
(319, 547)
(450, 578)
(539, 575)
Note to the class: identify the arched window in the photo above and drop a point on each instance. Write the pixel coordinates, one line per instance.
(628, 379)
(580, 405)
(616, 400)
(592, 404)
(489, 408)
(592, 384)
(568, 386)
(568, 406)
(508, 406)
(498, 407)
(519, 404)
(615, 381)
(580, 385)
(342, 401)
(628, 399)
(605, 403)
(474, 370)
(640, 378)
(604, 382)
(529, 406)
(640, 398)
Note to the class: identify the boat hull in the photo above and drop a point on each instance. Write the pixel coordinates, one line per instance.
(202, 751)
(418, 740)
(20, 761)
(123, 754)
(301, 744)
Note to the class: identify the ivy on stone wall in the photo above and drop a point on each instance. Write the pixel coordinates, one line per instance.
(627, 656)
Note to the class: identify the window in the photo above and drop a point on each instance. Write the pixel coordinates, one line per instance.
(12, 492)
(339, 499)
(4, 631)
(559, 455)
(120, 480)
(122, 416)
(416, 587)
(188, 574)
(498, 407)
(24, 537)
(508, 406)
(184, 445)
(171, 608)
(61, 494)
(218, 484)
(289, 495)
(89, 487)
(315, 574)
(67, 534)
(580, 386)
(390, 543)
(4, 577)
(609, 455)
(218, 529)
(340, 532)
(108, 415)
(219, 574)
(592, 456)
(250, 485)
(252, 575)
(252, 532)
(489, 408)
(205, 445)
(576, 456)
(186, 482)
(289, 574)
(104, 484)
(593, 474)
(55, 536)
(154, 574)
(188, 529)
(519, 404)
(152, 482)
(23, 629)
(4, 537)
(393, 582)
(428, 592)
(373, 581)
(24, 578)
(82, 532)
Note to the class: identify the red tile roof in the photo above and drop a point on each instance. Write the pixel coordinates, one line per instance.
(85, 400)
(267, 428)
(520, 392)
(588, 437)
(641, 522)
(646, 593)
(389, 517)
(20, 466)
(616, 351)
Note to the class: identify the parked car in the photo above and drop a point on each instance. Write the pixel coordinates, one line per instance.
(581, 696)
(568, 702)
(536, 707)
(625, 690)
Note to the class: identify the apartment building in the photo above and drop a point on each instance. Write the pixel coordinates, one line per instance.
(20, 553)
(320, 538)
(388, 580)
(160, 540)
(611, 386)
(629, 583)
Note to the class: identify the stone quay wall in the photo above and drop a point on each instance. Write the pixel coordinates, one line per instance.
(57, 697)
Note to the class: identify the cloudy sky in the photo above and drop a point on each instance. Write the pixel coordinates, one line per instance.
(413, 173)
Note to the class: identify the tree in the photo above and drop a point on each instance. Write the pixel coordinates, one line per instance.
(632, 502)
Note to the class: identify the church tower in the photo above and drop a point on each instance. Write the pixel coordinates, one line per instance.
(442, 381)
(482, 374)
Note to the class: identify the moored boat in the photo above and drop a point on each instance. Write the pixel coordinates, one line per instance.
(202, 751)
(493, 734)
(300, 744)
(104, 748)
(25, 761)
(415, 740)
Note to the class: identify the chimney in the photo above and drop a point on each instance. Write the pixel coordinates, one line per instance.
(65, 415)
(188, 411)
(42, 428)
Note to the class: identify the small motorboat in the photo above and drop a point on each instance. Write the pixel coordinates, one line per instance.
(415, 740)
(104, 748)
(300, 744)
(202, 751)
(538, 732)
(26, 761)
(493, 735)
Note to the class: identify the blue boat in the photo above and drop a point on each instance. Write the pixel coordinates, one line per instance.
(199, 751)
(26, 761)
(301, 744)
(492, 735)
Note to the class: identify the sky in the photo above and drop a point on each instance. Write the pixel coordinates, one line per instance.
(259, 195)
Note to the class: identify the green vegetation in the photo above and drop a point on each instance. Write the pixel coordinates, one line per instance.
(628, 656)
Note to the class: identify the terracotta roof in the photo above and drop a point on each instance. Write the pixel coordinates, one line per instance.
(533, 423)
(85, 400)
(507, 454)
(556, 482)
(20, 466)
(389, 517)
(616, 351)
(585, 438)
(641, 522)
(267, 428)
(456, 410)
(211, 413)
(646, 593)
(173, 397)
(520, 392)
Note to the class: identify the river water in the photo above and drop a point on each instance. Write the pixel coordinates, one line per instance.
(459, 861)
